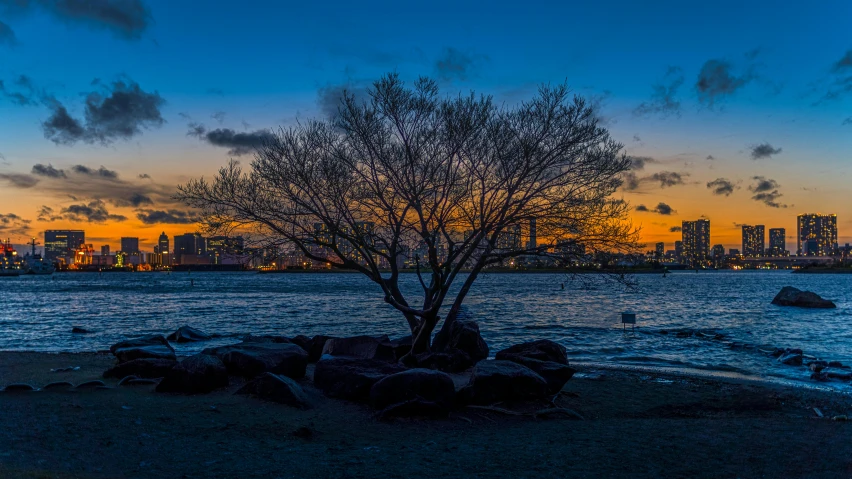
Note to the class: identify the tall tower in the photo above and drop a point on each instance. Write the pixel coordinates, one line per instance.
(754, 241)
(696, 241)
(816, 234)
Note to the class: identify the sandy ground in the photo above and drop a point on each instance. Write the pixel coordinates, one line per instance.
(636, 425)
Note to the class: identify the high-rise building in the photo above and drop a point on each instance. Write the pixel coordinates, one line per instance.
(753, 241)
(62, 244)
(188, 244)
(533, 242)
(777, 242)
(163, 244)
(679, 250)
(696, 242)
(659, 250)
(105, 250)
(718, 252)
(816, 234)
(130, 246)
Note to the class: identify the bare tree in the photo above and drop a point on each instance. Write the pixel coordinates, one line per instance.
(448, 183)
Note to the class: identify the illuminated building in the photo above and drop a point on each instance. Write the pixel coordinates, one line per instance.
(753, 241)
(130, 246)
(816, 234)
(162, 249)
(83, 254)
(696, 242)
(777, 242)
(679, 250)
(105, 250)
(533, 242)
(62, 244)
(188, 244)
(659, 250)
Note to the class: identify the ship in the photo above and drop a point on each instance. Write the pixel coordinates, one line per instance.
(10, 264)
(35, 264)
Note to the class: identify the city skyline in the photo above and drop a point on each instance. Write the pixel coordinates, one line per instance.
(753, 128)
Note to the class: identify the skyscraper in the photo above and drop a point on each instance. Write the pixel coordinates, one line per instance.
(130, 246)
(163, 244)
(816, 234)
(105, 250)
(777, 242)
(188, 244)
(533, 242)
(62, 244)
(679, 251)
(659, 250)
(696, 241)
(753, 241)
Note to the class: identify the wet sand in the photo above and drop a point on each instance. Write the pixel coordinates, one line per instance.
(637, 424)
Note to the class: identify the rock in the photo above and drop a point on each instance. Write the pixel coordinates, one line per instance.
(542, 350)
(186, 334)
(316, 346)
(817, 366)
(495, 381)
(416, 392)
(277, 388)
(79, 330)
(792, 359)
(836, 373)
(152, 346)
(464, 336)
(196, 374)
(58, 385)
(556, 374)
(126, 379)
(252, 359)
(139, 382)
(835, 364)
(399, 347)
(266, 338)
(302, 341)
(452, 361)
(91, 384)
(841, 417)
(790, 296)
(142, 368)
(18, 387)
(819, 376)
(778, 352)
(364, 347)
(351, 378)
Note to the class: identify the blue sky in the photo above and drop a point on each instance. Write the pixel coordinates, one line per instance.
(733, 76)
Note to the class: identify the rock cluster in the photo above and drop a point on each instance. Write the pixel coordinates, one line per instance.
(790, 296)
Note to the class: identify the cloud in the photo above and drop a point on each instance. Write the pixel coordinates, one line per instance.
(25, 93)
(7, 35)
(722, 186)
(239, 143)
(839, 82)
(47, 171)
(639, 162)
(12, 224)
(844, 64)
(215, 91)
(716, 81)
(144, 176)
(632, 182)
(119, 112)
(710, 157)
(330, 97)
(18, 180)
(663, 100)
(675, 229)
(219, 116)
(101, 172)
(763, 150)
(848, 121)
(454, 64)
(92, 212)
(125, 18)
(636, 138)
(661, 208)
(176, 217)
(135, 200)
(629, 181)
(766, 191)
(668, 178)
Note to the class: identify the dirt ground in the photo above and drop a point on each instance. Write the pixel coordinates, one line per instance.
(635, 425)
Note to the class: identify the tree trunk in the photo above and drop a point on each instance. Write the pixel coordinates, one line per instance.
(421, 341)
(442, 339)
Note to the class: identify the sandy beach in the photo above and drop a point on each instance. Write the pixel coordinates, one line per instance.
(636, 424)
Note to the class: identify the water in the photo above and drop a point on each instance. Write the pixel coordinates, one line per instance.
(37, 313)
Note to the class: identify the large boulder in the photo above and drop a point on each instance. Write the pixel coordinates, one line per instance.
(451, 361)
(152, 346)
(315, 347)
(364, 347)
(464, 336)
(351, 378)
(837, 373)
(186, 334)
(542, 350)
(265, 338)
(790, 296)
(416, 392)
(142, 368)
(556, 374)
(495, 381)
(791, 358)
(277, 388)
(196, 374)
(252, 359)
(399, 347)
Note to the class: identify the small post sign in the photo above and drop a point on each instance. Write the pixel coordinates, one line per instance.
(628, 318)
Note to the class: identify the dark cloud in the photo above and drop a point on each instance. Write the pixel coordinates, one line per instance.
(642, 208)
(101, 172)
(717, 81)
(722, 186)
(636, 138)
(839, 83)
(766, 191)
(763, 150)
(848, 121)
(239, 143)
(330, 97)
(455, 64)
(125, 18)
(668, 178)
(639, 162)
(661, 208)
(134, 199)
(175, 217)
(24, 93)
(7, 35)
(45, 213)
(48, 171)
(3, 160)
(12, 224)
(845, 63)
(93, 212)
(144, 176)
(219, 116)
(18, 180)
(675, 229)
(663, 100)
(629, 181)
(710, 157)
(120, 112)
(215, 91)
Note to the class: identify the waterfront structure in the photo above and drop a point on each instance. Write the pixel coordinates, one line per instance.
(753, 241)
(188, 244)
(733, 252)
(659, 250)
(83, 254)
(62, 244)
(816, 234)
(696, 242)
(130, 246)
(105, 250)
(777, 242)
(678, 250)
